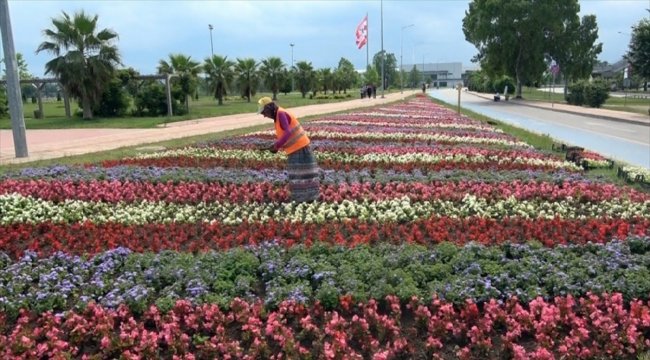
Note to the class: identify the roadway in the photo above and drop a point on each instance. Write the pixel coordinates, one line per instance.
(616, 139)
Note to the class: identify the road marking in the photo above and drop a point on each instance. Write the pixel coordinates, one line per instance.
(610, 127)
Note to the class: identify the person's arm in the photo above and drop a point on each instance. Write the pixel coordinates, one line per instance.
(284, 124)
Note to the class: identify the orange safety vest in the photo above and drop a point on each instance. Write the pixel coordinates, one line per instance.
(297, 140)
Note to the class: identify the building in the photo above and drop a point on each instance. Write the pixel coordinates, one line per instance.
(445, 75)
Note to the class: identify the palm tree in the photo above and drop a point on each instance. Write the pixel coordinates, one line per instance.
(220, 75)
(325, 79)
(305, 76)
(186, 69)
(247, 76)
(85, 59)
(273, 73)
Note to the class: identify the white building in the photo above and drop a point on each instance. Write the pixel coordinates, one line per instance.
(438, 74)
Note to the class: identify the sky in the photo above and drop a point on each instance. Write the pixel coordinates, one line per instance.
(322, 31)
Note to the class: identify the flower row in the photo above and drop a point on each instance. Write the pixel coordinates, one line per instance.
(89, 238)
(413, 167)
(273, 273)
(18, 208)
(438, 137)
(222, 175)
(603, 327)
(368, 157)
(194, 192)
(353, 121)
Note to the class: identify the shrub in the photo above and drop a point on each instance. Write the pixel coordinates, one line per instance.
(593, 94)
(4, 108)
(152, 101)
(114, 101)
(596, 93)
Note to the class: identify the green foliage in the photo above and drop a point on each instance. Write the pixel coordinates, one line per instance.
(185, 81)
(115, 100)
(596, 93)
(371, 76)
(390, 66)
(272, 71)
(83, 73)
(511, 36)
(639, 49)
(305, 76)
(247, 77)
(220, 74)
(593, 94)
(572, 44)
(4, 102)
(151, 100)
(414, 77)
(345, 75)
(479, 81)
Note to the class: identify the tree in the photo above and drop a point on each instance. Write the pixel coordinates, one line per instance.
(23, 72)
(511, 36)
(572, 46)
(390, 65)
(639, 50)
(186, 70)
(220, 73)
(247, 77)
(326, 79)
(414, 77)
(272, 70)
(371, 76)
(85, 60)
(346, 76)
(305, 76)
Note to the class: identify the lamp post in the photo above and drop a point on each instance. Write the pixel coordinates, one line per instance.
(211, 46)
(401, 58)
(292, 44)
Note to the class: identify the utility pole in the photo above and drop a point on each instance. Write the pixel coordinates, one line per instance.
(13, 83)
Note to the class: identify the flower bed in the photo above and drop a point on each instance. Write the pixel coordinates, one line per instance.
(588, 327)
(197, 252)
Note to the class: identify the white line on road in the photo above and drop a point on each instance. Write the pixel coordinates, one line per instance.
(610, 127)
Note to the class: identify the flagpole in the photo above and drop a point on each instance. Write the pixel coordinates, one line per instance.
(383, 84)
(367, 40)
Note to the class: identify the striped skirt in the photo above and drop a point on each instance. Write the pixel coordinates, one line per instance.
(304, 184)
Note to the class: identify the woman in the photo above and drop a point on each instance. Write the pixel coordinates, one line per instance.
(292, 139)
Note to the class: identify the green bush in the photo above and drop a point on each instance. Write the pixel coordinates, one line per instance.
(593, 94)
(115, 101)
(596, 93)
(151, 100)
(4, 103)
(576, 95)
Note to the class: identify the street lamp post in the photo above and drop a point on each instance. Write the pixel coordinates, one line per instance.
(292, 77)
(401, 58)
(211, 46)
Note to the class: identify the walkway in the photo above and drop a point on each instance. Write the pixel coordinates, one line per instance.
(50, 144)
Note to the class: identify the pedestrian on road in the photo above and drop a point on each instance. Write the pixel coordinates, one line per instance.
(292, 139)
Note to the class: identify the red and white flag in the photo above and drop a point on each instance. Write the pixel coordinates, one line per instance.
(362, 32)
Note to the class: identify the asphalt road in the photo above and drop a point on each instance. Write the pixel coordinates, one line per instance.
(618, 140)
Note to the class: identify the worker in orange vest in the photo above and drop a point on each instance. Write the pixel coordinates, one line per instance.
(291, 138)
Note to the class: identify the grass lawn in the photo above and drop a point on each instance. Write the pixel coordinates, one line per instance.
(204, 107)
(629, 104)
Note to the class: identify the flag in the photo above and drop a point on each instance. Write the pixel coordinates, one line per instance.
(362, 32)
